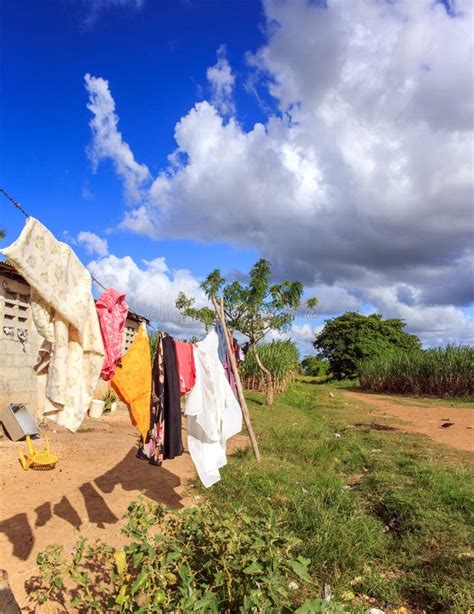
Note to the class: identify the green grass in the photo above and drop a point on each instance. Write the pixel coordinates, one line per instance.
(422, 491)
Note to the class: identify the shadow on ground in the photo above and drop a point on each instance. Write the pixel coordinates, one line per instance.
(131, 474)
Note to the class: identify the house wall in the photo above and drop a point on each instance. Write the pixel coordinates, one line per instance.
(19, 345)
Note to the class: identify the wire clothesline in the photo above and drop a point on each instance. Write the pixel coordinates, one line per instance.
(18, 206)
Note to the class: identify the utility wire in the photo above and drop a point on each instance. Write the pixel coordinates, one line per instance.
(14, 202)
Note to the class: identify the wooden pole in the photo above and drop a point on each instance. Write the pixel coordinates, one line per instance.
(238, 381)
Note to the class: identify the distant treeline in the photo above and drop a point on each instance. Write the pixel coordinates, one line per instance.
(440, 372)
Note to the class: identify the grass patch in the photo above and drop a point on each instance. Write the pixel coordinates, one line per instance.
(385, 515)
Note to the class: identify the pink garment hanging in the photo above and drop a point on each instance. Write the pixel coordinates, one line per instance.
(186, 366)
(112, 311)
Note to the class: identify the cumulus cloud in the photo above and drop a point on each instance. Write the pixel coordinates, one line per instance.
(107, 142)
(152, 289)
(361, 179)
(436, 325)
(303, 334)
(95, 8)
(92, 243)
(222, 80)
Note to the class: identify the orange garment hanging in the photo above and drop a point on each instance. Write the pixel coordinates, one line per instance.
(132, 381)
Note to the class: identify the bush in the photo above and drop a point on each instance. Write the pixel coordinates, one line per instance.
(202, 559)
(315, 366)
(440, 372)
(279, 357)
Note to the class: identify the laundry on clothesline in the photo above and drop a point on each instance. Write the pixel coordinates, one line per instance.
(132, 380)
(83, 341)
(186, 366)
(212, 410)
(112, 310)
(65, 316)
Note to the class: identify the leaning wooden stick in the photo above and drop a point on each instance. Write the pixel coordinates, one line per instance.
(238, 382)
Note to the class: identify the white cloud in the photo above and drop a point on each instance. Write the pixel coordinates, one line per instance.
(222, 80)
(436, 325)
(107, 141)
(95, 8)
(152, 289)
(303, 334)
(362, 181)
(92, 243)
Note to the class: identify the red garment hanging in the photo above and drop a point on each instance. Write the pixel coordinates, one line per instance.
(186, 366)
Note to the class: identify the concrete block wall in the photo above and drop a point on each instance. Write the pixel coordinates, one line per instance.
(17, 358)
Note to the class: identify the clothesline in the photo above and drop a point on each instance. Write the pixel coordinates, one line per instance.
(18, 206)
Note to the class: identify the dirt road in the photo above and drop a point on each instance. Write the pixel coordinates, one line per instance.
(426, 420)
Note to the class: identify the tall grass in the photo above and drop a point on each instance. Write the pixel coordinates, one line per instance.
(439, 372)
(279, 357)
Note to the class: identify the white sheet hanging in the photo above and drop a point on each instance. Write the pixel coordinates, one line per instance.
(213, 413)
(65, 315)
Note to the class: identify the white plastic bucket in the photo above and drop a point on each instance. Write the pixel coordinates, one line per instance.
(96, 408)
(113, 407)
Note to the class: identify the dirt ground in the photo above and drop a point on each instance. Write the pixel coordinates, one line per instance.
(86, 494)
(426, 420)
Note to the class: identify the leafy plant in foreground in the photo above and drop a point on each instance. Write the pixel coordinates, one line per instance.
(196, 560)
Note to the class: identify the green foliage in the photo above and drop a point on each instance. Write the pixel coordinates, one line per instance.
(315, 366)
(439, 372)
(347, 340)
(153, 345)
(197, 560)
(253, 309)
(384, 517)
(109, 398)
(203, 314)
(279, 357)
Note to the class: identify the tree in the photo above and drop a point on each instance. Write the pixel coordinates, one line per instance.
(352, 337)
(314, 365)
(253, 309)
(2, 235)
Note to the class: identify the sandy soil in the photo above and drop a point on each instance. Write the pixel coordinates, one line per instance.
(426, 420)
(86, 494)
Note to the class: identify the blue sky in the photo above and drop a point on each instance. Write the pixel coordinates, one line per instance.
(299, 144)
(155, 60)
